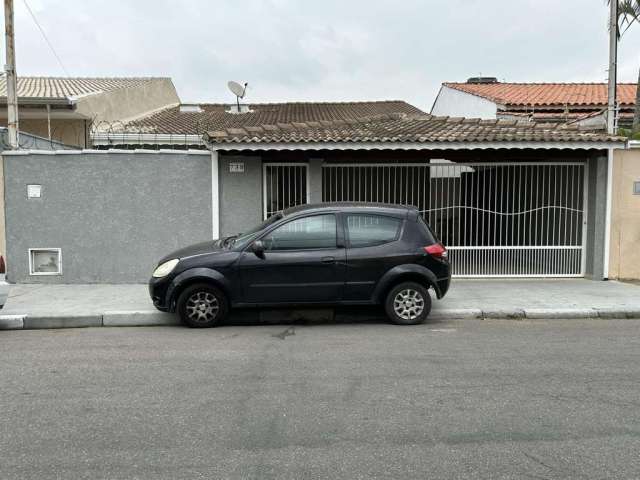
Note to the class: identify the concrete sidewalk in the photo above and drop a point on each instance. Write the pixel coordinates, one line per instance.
(61, 306)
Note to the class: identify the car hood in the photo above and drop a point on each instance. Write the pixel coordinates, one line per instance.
(212, 246)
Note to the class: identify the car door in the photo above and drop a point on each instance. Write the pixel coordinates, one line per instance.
(304, 262)
(372, 249)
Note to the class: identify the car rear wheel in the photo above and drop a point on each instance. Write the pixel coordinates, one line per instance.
(202, 305)
(408, 303)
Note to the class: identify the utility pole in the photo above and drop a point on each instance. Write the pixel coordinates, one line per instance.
(613, 66)
(10, 69)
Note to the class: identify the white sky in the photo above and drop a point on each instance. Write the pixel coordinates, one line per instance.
(314, 50)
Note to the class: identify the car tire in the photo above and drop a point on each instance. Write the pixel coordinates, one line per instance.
(408, 303)
(202, 306)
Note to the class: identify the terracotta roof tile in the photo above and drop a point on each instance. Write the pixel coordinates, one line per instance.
(415, 128)
(548, 94)
(215, 117)
(66, 87)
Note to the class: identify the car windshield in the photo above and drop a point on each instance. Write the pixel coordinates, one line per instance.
(243, 239)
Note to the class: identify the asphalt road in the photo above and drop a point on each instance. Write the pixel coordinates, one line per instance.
(474, 399)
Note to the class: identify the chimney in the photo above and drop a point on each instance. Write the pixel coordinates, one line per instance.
(238, 109)
(482, 80)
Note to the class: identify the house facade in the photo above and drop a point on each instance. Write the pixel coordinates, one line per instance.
(583, 103)
(509, 198)
(68, 109)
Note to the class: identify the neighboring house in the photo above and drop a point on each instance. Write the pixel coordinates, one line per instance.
(579, 104)
(182, 126)
(625, 213)
(508, 198)
(67, 109)
(584, 103)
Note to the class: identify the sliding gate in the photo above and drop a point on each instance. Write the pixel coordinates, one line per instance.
(496, 219)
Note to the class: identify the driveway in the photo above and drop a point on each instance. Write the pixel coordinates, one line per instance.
(471, 399)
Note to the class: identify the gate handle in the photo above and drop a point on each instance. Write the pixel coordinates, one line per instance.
(328, 259)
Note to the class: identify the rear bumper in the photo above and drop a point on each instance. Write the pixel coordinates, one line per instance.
(442, 286)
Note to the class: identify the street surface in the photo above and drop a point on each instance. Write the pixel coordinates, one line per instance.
(469, 399)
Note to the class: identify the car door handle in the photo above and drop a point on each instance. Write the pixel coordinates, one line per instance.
(328, 259)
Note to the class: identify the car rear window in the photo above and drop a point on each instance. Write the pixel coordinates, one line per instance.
(426, 230)
(369, 230)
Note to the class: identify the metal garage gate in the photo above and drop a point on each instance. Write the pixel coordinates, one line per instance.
(497, 220)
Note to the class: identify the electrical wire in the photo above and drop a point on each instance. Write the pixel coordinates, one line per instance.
(44, 35)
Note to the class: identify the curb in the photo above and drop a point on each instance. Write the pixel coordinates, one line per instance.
(66, 321)
(138, 319)
(149, 318)
(457, 314)
(11, 322)
(561, 313)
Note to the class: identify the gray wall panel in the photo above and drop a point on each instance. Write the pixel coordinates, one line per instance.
(240, 194)
(113, 214)
(596, 217)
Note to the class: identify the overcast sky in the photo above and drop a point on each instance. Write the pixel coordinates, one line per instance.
(320, 50)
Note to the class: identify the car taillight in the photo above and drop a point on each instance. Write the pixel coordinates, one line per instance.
(437, 250)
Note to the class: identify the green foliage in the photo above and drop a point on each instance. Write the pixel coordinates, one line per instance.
(624, 132)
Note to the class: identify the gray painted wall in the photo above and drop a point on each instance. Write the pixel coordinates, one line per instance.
(240, 194)
(315, 180)
(112, 214)
(596, 217)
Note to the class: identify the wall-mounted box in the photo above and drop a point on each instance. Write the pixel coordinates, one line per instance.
(45, 261)
(34, 191)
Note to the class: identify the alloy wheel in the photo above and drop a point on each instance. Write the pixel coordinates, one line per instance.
(202, 307)
(408, 304)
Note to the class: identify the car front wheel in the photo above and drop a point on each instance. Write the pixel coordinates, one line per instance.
(202, 305)
(408, 303)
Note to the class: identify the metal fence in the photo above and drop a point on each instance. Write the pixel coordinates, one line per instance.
(496, 219)
(285, 185)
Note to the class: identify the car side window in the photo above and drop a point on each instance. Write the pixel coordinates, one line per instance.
(370, 230)
(315, 232)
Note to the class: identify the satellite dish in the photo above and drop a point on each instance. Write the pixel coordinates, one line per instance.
(237, 89)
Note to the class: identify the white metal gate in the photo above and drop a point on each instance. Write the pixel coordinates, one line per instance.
(496, 219)
(284, 185)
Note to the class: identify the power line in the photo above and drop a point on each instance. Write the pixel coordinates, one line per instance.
(44, 35)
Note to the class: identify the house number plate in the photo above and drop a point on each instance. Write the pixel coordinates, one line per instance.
(236, 167)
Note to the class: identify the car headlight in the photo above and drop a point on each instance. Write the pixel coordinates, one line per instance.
(165, 269)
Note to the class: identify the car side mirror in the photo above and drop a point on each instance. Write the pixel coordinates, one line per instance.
(257, 247)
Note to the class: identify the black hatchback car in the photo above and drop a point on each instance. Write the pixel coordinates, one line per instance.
(324, 254)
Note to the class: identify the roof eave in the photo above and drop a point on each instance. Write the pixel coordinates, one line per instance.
(445, 145)
(40, 101)
(123, 138)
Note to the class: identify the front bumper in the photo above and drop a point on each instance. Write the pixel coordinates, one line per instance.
(158, 288)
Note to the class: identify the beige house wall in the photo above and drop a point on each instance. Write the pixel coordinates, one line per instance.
(70, 132)
(624, 258)
(128, 103)
(3, 238)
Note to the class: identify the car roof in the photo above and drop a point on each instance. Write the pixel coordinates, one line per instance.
(350, 206)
